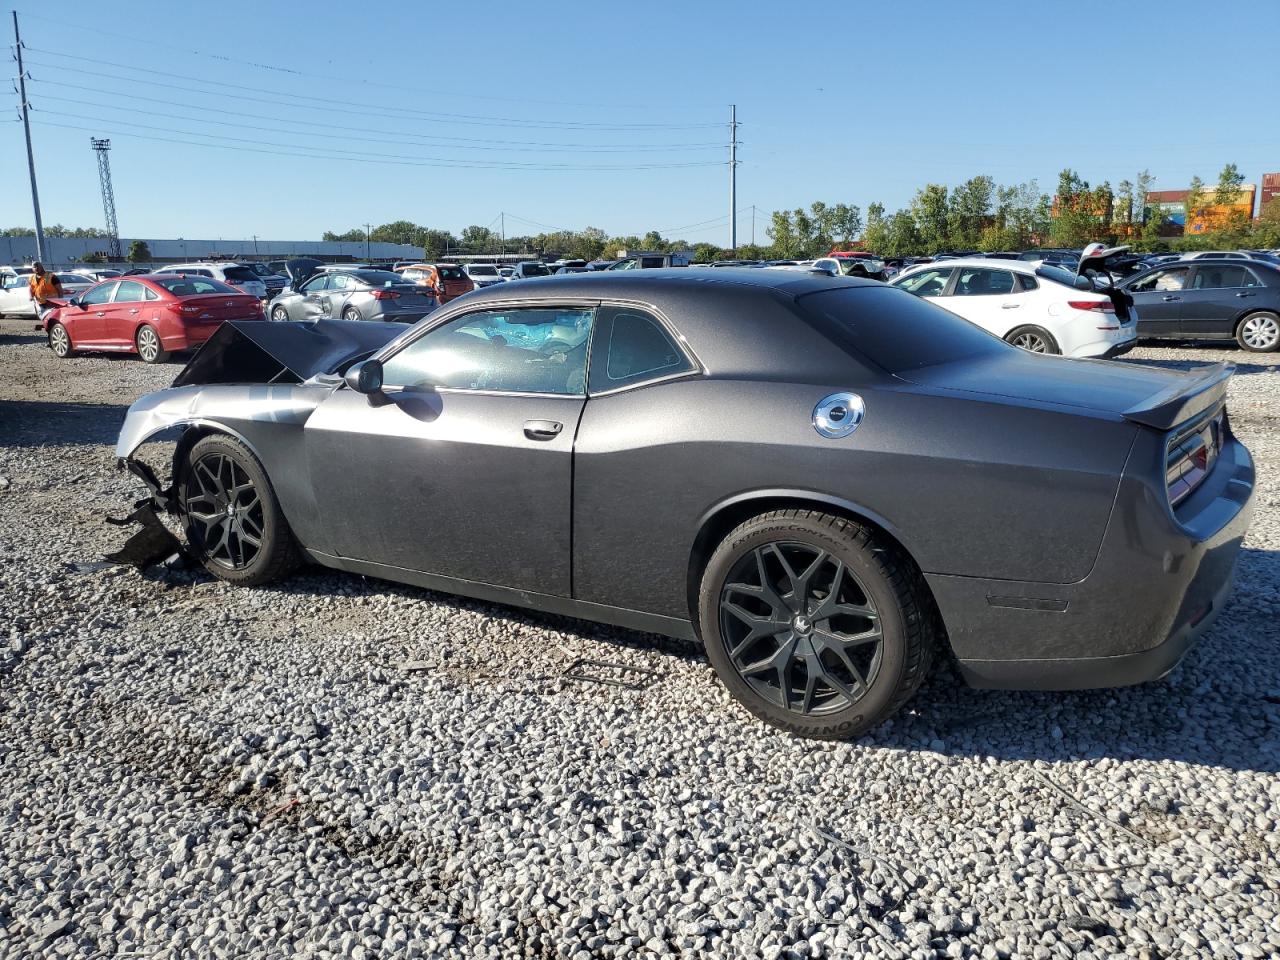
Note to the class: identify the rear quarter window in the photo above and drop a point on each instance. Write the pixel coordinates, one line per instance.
(896, 330)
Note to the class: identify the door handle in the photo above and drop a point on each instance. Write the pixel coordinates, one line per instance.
(1010, 306)
(100, 313)
(1246, 294)
(542, 429)
(1168, 299)
(134, 310)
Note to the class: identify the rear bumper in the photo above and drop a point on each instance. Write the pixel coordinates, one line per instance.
(1109, 343)
(1158, 584)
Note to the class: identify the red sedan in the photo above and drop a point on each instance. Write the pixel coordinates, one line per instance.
(153, 315)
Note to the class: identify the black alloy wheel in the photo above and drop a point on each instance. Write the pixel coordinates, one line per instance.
(232, 519)
(225, 511)
(799, 628)
(815, 623)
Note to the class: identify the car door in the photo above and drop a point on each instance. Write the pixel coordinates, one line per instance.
(986, 297)
(1158, 300)
(87, 323)
(312, 301)
(1216, 295)
(124, 314)
(15, 295)
(461, 466)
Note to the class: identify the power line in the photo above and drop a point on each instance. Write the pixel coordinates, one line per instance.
(398, 135)
(63, 24)
(435, 116)
(377, 159)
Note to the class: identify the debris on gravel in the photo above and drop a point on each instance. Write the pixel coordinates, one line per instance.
(337, 767)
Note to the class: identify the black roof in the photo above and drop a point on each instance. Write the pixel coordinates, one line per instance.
(633, 284)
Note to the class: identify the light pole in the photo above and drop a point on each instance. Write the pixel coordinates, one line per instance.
(368, 240)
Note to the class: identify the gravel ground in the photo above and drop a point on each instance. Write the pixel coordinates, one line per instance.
(189, 770)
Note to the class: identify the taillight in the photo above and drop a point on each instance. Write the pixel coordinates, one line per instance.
(1191, 452)
(1102, 306)
(178, 307)
(385, 295)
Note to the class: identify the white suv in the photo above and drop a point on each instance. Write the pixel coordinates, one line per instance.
(235, 274)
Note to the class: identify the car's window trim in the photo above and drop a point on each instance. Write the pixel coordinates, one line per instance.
(682, 345)
(442, 317)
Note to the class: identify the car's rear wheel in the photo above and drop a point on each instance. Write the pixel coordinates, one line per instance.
(351, 313)
(59, 341)
(232, 519)
(279, 314)
(815, 623)
(1259, 332)
(1033, 338)
(149, 347)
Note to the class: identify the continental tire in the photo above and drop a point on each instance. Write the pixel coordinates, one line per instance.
(233, 522)
(815, 624)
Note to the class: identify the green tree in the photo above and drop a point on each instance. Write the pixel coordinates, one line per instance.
(18, 232)
(968, 212)
(1196, 202)
(929, 215)
(782, 231)
(139, 252)
(903, 238)
(876, 234)
(477, 239)
(354, 235)
(1122, 213)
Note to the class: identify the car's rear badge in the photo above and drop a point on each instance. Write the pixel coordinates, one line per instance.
(838, 415)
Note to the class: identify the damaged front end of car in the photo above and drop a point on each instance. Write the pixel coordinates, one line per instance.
(257, 382)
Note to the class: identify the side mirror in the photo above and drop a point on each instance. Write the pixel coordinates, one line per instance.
(76, 302)
(365, 377)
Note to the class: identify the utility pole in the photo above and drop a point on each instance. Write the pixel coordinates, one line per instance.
(26, 128)
(753, 224)
(368, 240)
(733, 176)
(503, 227)
(100, 147)
(255, 244)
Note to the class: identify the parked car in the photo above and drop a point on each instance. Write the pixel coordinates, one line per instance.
(233, 274)
(153, 316)
(274, 282)
(1226, 255)
(1210, 300)
(506, 272)
(871, 267)
(446, 281)
(354, 295)
(483, 274)
(105, 273)
(528, 269)
(650, 261)
(1038, 307)
(15, 291)
(827, 481)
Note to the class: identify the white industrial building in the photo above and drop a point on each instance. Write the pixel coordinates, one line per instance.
(64, 251)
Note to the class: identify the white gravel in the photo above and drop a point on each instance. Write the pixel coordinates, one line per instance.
(189, 770)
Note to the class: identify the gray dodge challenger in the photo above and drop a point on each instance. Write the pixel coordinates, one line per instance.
(826, 481)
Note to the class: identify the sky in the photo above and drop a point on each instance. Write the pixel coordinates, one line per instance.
(232, 119)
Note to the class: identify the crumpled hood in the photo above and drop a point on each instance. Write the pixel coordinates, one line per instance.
(263, 351)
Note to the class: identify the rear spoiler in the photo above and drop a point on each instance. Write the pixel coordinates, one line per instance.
(1198, 390)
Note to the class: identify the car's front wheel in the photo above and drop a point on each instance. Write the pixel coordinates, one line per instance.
(279, 313)
(1259, 332)
(59, 341)
(814, 623)
(233, 521)
(1033, 338)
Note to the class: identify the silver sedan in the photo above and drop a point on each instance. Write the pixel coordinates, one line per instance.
(354, 295)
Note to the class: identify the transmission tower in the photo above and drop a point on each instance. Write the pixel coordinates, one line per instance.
(101, 148)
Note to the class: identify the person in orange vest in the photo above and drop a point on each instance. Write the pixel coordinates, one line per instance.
(44, 286)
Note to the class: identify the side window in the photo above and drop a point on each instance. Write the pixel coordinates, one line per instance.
(99, 294)
(1026, 282)
(1162, 280)
(129, 291)
(150, 294)
(1215, 278)
(315, 284)
(630, 347)
(340, 281)
(927, 283)
(980, 282)
(526, 350)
